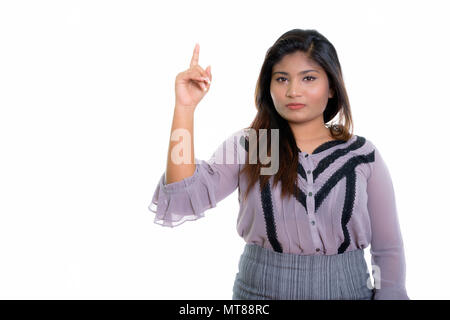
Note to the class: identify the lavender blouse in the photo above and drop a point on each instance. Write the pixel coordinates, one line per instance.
(345, 201)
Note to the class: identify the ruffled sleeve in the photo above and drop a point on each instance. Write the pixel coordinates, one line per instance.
(212, 181)
(388, 257)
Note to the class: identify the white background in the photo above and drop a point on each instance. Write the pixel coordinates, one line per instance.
(87, 95)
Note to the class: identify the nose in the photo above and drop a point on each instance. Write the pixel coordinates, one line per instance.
(293, 89)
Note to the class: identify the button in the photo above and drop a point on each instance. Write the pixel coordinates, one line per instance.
(306, 155)
(313, 222)
(309, 171)
(317, 249)
(310, 194)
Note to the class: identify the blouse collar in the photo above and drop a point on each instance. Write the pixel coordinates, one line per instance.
(327, 145)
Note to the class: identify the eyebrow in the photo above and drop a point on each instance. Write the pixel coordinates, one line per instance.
(301, 72)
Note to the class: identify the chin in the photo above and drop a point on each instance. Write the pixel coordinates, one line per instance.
(297, 117)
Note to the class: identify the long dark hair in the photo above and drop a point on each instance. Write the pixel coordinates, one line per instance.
(319, 49)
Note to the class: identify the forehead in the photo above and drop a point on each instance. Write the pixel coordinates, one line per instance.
(296, 61)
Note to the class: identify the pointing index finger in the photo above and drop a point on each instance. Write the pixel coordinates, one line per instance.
(194, 60)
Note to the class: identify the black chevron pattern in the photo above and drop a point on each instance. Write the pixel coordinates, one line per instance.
(347, 170)
(348, 209)
(301, 171)
(327, 161)
(301, 197)
(271, 230)
(344, 171)
(266, 201)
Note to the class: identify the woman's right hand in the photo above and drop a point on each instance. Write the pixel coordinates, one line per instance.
(192, 85)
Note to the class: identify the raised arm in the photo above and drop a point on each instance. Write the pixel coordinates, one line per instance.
(190, 87)
(190, 186)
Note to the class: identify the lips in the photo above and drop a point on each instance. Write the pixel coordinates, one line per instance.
(295, 105)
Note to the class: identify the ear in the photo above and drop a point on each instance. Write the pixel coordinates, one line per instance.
(331, 93)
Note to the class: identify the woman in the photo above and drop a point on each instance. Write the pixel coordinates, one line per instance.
(330, 196)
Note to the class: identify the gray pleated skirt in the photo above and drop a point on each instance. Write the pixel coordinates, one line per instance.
(265, 274)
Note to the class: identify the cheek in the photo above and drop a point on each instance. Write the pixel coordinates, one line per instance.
(315, 91)
(276, 93)
(318, 93)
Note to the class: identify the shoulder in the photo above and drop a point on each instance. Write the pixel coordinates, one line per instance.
(241, 137)
(370, 154)
(362, 149)
(361, 144)
(237, 142)
(239, 133)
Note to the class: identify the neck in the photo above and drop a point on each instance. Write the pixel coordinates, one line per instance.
(310, 130)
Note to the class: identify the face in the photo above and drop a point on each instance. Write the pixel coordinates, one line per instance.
(294, 84)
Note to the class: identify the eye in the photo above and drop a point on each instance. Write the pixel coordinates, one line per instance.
(310, 77)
